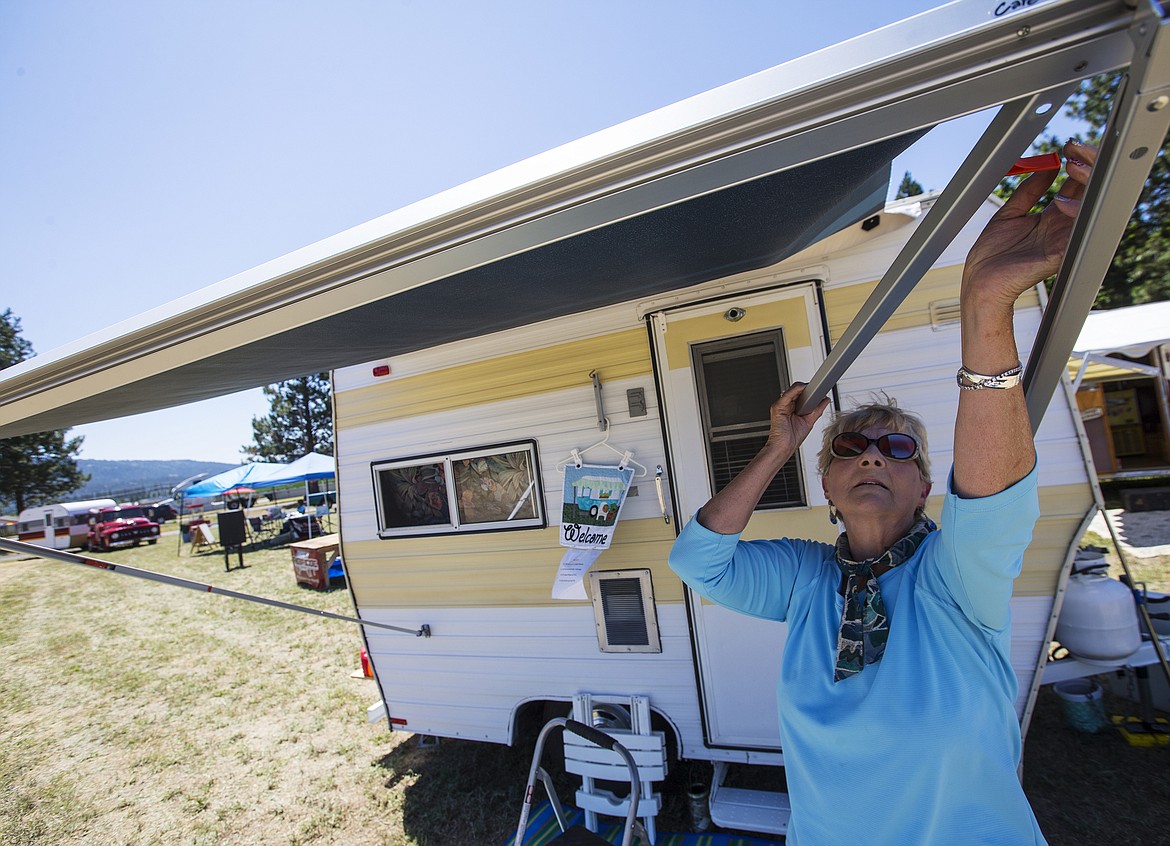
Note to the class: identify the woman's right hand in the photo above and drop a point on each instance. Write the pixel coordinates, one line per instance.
(789, 429)
(729, 510)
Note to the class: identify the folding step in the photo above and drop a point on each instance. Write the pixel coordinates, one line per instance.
(740, 808)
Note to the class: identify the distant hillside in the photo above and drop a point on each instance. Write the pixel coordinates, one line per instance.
(139, 479)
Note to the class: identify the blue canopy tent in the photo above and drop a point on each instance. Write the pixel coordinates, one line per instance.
(245, 474)
(307, 468)
(264, 474)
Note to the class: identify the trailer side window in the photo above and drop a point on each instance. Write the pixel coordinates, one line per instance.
(738, 380)
(472, 490)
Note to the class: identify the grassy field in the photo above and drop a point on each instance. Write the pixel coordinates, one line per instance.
(137, 713)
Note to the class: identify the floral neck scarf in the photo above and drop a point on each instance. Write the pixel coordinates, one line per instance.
(865, 628)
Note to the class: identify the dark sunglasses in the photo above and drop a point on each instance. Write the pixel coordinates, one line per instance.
(895, 446)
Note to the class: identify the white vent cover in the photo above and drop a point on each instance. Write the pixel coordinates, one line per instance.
(623, 608)
(944, 314)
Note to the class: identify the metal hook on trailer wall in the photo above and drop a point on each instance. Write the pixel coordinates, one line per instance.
(602, 420)
(109, 566)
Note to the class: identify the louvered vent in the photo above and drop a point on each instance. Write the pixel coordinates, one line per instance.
(944, 314)
(623, 608)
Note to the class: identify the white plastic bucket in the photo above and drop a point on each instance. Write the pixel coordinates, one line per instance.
(1080, 699)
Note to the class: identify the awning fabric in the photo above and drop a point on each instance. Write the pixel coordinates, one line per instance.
(308, 468)
(245, 474)
(715, 232)
(1102, 368)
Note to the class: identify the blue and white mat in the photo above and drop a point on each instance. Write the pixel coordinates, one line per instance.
(542, 827)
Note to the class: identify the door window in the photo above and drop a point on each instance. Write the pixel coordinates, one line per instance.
(738, 380)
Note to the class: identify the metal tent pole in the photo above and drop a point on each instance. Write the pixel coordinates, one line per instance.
(1143, 611)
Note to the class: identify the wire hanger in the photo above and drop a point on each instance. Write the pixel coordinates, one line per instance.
(627, 455)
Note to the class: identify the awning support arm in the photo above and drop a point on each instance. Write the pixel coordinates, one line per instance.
(1140, 116)
(111, 567)
(1014, 127)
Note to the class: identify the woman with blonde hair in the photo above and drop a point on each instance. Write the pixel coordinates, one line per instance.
(896, 693)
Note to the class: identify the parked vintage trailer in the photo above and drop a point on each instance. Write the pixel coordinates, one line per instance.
(637, 298)
(62, 525)
(686, 382)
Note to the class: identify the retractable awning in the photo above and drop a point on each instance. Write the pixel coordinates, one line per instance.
(733, 179)
(362, 309)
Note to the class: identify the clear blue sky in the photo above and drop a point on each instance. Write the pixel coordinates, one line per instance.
(151, 149)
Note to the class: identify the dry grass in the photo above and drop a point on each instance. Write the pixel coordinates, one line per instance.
(140, 713)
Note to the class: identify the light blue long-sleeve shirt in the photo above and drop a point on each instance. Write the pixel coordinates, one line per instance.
(923, 746)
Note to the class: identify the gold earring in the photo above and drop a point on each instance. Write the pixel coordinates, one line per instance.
(832, 514)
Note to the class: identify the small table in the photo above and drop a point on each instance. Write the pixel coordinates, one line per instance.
(312, 558)
(1075, 668)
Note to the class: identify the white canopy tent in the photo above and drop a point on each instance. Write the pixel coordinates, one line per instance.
(1134, 331)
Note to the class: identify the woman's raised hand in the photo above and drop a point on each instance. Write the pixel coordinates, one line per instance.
(789, 429)
(1019, 248)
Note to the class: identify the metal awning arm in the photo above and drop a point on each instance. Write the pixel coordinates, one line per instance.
(23, 548)
(1132, 139)
(1014, 127)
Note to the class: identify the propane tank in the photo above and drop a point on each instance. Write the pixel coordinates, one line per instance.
(1098, 621)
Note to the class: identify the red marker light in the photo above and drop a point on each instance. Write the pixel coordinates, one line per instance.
(1031, 164)
(382, 370)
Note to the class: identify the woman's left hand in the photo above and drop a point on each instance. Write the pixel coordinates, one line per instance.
(1018, 248)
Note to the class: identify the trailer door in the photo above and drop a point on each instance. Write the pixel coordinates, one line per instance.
(722, 364)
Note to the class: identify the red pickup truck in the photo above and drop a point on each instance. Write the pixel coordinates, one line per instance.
(121, 525)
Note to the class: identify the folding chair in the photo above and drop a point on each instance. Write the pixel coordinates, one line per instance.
(600, 771)
(578, 835)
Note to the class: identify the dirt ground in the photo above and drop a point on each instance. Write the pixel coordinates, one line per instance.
(1094, 788)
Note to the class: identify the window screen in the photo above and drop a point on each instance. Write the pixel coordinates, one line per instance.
(738, 379)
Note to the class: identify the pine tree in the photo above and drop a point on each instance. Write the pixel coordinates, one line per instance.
(910, 187)
(1140, 272)
(40, 467)
(299, 421)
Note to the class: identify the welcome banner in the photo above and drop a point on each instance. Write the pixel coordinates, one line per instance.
(590, 507)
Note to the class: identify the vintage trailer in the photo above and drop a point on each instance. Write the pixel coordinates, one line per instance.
(686, 380)
(637, 298)
(62, 525)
